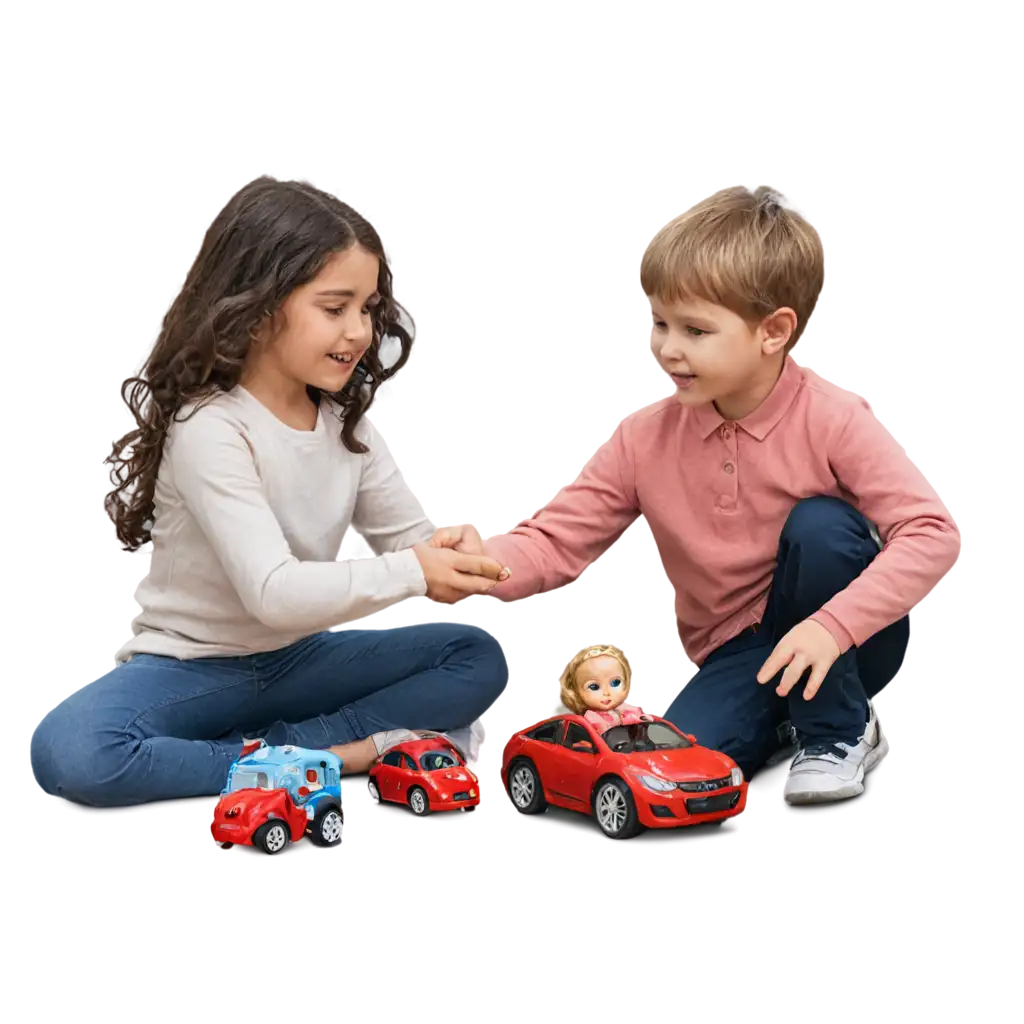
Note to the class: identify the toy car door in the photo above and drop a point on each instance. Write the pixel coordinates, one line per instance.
(387, 775)
(406, 776)
(577, 762)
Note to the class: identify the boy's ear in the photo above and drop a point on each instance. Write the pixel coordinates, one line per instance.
(777, 328)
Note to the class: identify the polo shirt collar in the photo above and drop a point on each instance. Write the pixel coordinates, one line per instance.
(760, 422)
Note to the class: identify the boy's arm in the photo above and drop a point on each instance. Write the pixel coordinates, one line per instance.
(921, 541)
(574, 529)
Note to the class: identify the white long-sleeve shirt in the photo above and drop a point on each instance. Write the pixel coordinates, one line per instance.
(248, 521)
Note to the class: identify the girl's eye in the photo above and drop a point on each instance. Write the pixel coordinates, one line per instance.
(616, 683)
(696, 332)
(593, 687)
(336, 312)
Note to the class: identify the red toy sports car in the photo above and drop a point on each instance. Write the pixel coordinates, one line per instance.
(427, 775)
(629, 777)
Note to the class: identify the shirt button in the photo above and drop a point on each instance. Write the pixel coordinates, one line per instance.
(728, 467)
(726, 433)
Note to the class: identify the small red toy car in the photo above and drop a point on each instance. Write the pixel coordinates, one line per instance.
(427, 774)
(276, 795)
(629, 777)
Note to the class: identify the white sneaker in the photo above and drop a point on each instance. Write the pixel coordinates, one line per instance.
(836, 771)
(468, 740)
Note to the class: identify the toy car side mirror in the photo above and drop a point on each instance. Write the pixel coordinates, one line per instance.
(585, 745)
(690, 737)
(303, 791)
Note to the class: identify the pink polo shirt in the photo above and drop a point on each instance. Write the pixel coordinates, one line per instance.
(716, 495)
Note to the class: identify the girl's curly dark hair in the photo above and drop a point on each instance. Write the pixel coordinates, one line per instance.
(271, 237)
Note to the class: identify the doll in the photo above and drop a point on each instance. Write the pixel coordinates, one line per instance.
(595, 685)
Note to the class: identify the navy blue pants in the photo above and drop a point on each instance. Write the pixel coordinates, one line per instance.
(824, 546)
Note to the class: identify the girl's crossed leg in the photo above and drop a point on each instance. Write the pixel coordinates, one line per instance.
(158, 728)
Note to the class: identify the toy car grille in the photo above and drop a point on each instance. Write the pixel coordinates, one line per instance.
(707, 804)
(461, 796)
(705, 785)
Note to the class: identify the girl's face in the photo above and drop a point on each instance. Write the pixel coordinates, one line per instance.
(600, 683)
(323, 328)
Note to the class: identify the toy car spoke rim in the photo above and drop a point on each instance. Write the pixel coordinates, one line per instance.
(418, 803)
(374, 791)
(276, 838)
(611, 809)
(522, 786)
(331, 828)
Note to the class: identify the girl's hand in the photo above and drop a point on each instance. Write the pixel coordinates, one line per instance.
(452, 576)
(459, 538)
(808, 645)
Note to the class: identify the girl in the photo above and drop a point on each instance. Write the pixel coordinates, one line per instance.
(595, 684)
(251, 458)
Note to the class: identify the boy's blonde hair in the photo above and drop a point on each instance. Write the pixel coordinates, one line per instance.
(570, 694)
(747, 251)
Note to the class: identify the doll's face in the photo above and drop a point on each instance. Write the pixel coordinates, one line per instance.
(600, 683)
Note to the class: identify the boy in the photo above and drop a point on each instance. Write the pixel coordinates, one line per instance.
(767, 490)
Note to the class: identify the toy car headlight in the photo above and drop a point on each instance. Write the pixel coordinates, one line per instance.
(736, 777)
(652, 782)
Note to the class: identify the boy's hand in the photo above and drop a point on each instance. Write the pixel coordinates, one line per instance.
(466, 540)
(808, 645)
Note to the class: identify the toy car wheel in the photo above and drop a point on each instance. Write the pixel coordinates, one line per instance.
(327, 825)
(272, 836)
(615, 809)
(524, 788)
(374, 791)
(418, 802)
(225, 846)
(468, 809)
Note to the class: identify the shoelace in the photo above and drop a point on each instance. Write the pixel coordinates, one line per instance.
(822, 752)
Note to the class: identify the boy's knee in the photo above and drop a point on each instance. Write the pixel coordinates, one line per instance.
(818, 523)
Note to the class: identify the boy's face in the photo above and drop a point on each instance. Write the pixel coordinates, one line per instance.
(712, 355)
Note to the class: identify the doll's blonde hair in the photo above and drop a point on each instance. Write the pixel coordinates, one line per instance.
(570, 694)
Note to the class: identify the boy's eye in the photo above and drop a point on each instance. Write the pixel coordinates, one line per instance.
(616, 682)
(660, 324)
(695, 332)
(593, 687)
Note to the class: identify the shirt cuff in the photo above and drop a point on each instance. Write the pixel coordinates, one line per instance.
(405, 569)
(839, 632)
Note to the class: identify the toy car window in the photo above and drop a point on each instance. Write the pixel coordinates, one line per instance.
(435, 759)
(577, 734)
(549, 732)
(645, 736)
(393, 758)
(408, 763)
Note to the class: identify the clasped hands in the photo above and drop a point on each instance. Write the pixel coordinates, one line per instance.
(455, 566)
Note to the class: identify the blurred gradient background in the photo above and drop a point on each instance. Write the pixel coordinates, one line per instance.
(517, 157)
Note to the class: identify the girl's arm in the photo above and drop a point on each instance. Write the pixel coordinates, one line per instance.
(213, 472)
(387, 513)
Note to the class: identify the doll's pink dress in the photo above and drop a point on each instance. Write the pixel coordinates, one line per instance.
(624, 714)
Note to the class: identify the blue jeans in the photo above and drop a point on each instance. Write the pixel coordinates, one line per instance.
(157, 728)
(824, 546)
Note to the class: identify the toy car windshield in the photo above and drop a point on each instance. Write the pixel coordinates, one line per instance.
(250, 780)
(434, 760)
(629, 739)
